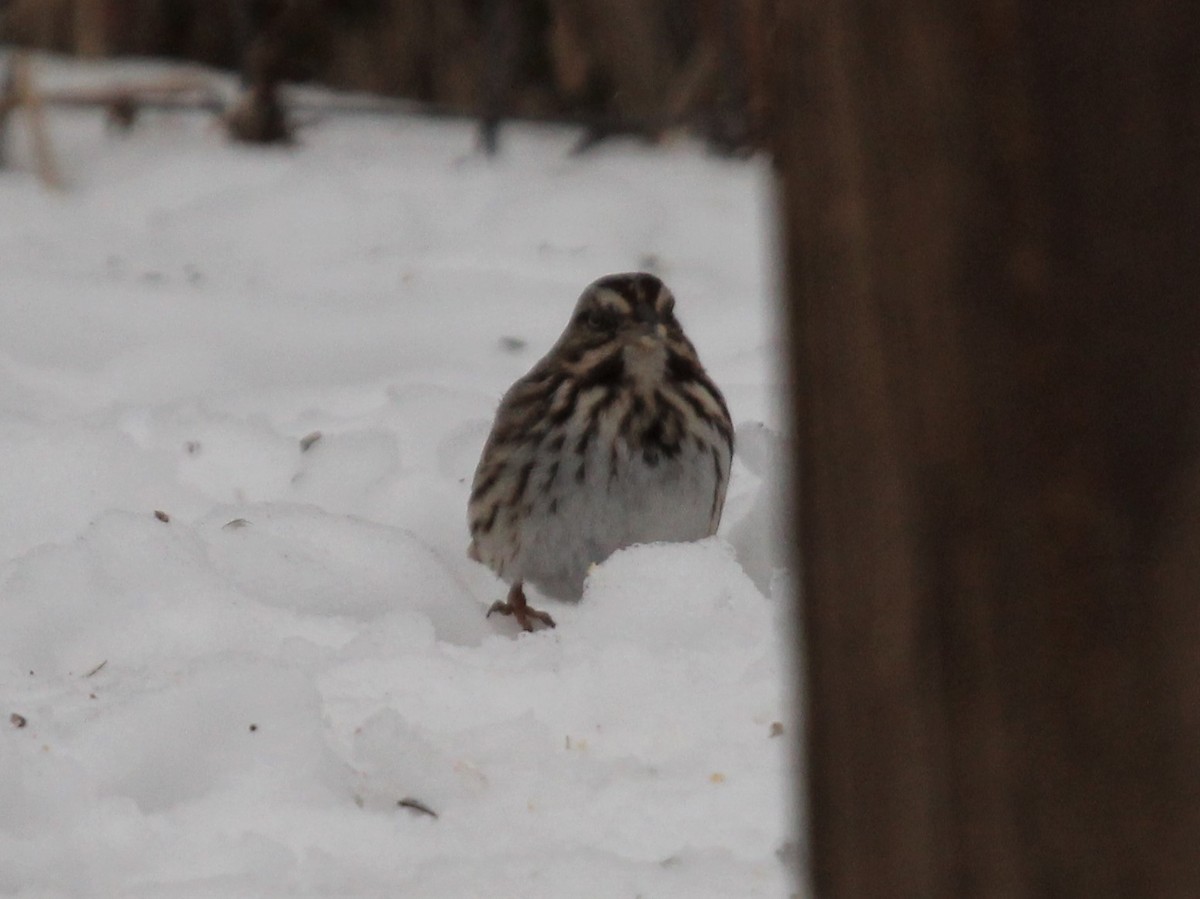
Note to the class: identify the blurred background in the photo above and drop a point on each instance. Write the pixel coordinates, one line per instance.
(646, 67)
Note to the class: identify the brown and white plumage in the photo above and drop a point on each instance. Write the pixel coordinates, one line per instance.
(617, 436)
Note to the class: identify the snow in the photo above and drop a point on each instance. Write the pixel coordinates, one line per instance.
(235, 700)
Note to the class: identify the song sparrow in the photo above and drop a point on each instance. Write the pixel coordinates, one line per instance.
(617, 436)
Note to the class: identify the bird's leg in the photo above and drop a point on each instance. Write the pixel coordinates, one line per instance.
(517, 606)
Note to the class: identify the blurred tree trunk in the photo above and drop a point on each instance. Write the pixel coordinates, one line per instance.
(756, 29)
(991, 223)
(627, 61)
(91, 28)
(48, 24)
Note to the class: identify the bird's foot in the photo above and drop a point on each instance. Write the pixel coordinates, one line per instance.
(517, 606)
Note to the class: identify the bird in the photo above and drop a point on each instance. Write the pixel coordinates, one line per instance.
(616, 437)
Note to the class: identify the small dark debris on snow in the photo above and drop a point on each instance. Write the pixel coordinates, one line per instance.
(416, 805)
(776, 729)
(162, 516)
(788, 852)
(192, 447)
(19, 720)
(253, 728)
(650, 262)
(307, 441)
(235, 524)
(97, 669)
(512, 344)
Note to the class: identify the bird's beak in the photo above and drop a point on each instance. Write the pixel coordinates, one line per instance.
(651, 334)
(650, 330)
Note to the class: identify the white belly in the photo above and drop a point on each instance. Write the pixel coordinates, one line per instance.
(621, 501)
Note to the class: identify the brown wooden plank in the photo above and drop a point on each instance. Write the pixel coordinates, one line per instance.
(990, 215)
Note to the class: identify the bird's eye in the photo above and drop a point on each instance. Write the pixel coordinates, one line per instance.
(601, 320)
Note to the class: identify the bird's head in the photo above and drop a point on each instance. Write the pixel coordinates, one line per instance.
(627, 307)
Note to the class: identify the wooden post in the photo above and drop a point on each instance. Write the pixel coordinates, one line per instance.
(18, 91)
(991, 221)
(8, 102)
(500, 50)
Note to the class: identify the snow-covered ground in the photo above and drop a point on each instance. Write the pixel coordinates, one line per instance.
(263, 690)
